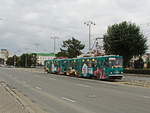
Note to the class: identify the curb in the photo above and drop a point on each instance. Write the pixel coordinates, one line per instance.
(24, 101)
(137, 75)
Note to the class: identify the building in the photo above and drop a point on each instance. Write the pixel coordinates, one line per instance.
(41, 57)
(4, 55)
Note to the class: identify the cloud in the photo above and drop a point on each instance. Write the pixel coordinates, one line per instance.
(27, 22)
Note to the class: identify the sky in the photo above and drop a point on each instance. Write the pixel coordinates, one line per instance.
(28, 25)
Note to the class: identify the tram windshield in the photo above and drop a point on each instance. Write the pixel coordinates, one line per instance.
(115, 62)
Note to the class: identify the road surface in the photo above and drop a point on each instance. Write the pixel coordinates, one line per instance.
(62, 94)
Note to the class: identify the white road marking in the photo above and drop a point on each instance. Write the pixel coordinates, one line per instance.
(83, 85)
(38, 88)
(64, 98)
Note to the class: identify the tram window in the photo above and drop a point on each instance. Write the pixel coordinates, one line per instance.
(106, 63)
(93, 64)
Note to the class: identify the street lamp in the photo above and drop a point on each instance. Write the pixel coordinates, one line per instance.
(26, 56)
(15, 57)
(89, 24)
(54, 38)
(26, 60)
(15, 60)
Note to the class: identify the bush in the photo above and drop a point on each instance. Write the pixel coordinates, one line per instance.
(148, 64)
(137, 71)
(139, 64)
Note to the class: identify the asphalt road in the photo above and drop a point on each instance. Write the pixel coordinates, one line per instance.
(62, 94)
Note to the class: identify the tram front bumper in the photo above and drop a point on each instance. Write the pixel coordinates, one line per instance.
(116, 76)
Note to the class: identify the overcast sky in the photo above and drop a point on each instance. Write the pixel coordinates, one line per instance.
(27, 25)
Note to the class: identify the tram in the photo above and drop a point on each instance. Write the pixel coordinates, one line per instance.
(108, 67)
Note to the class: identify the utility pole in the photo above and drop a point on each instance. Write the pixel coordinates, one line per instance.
(15, 58)
(89, 24)
(26, 60)
(26, 57)
(54, 38)
(15, 61)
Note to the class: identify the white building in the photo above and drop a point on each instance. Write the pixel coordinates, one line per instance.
(41, 57)
(4, 54)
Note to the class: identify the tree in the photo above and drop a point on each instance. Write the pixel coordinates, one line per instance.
(2, 61)
(28, 60)
(23, 60)
(148, 62)
(125, 39)
(13, 61)
(10, 61)
(71, 48)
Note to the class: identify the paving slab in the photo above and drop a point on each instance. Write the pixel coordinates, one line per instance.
(8, 103)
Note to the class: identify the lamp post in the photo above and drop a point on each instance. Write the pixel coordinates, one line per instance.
(15, 61)
(16, 58)
(26, 56)
(54, 38)
(26, 60)
(89, 24)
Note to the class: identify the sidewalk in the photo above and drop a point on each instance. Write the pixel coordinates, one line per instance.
(8, 103)
(136, 80)
(137, 75)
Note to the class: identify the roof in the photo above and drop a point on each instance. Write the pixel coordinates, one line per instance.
(70, 59)
(45, 54)
(3, 49)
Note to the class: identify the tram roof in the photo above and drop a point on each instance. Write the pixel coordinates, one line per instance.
(100, 57)
(69, 59)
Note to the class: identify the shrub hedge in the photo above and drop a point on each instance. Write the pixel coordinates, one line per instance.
(137, 71)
